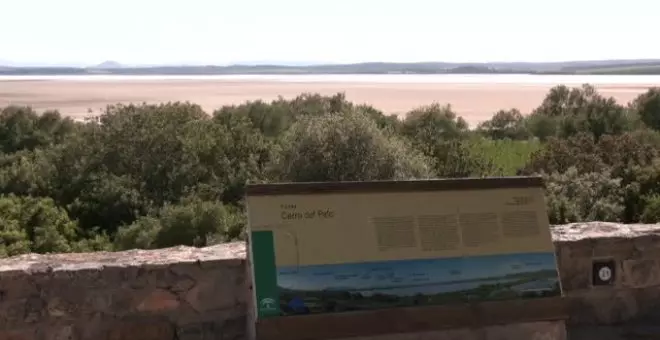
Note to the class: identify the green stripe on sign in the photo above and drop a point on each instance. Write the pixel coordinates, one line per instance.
(265, 274)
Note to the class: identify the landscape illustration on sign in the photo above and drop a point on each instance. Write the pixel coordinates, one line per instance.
(403, 283)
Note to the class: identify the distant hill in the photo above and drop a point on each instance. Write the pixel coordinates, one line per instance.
(276, 62)
(641, 66)
(108, 65)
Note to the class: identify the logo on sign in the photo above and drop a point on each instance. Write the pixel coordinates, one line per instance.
(605, 274)
(267, 304)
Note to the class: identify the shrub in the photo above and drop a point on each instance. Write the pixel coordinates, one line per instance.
(647, 107)
(37, 225)
(574, 197)
(566, 112)
(346, 146)
(651, 212)
(505, 124)
(193, 223)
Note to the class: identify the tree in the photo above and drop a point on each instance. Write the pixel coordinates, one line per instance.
(440, 134)
(346, 146)
(271, 119)
(505, 124)
(275, 118)
(542, 126)
(574, 197)
(248, 157)
(455, 159)
(647, 107)
(21, 128)
(30, 224)
(147, 143)
(652, 210)
(108, 201)
(427, 124)
(582, 151)
(27, 173)
(194, 223)
(572, 111)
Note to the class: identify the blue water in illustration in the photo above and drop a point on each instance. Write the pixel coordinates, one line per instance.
(425, 276)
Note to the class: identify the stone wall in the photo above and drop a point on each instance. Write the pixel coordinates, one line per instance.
(635, 250)
(178, 293)
(524, 331)
(189, 294)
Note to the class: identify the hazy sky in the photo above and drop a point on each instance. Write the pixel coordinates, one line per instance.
(224, 31)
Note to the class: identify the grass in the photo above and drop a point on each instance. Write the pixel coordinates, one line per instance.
(507, 155)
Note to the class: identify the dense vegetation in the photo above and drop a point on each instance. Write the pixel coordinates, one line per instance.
(151, 176)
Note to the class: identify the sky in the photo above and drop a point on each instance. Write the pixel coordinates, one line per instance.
(139, 32)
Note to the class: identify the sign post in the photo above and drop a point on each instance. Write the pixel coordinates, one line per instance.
(340, 252)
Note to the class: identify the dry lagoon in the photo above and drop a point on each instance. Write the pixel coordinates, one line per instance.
(475, 98)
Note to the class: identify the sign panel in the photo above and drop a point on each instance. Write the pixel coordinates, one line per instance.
(337, 247)
(603, 272)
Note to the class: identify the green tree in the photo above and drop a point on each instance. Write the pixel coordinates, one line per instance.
(108, 201)
(641, 182)
(579, 110)
(21, 128)
(647, 107)
(574, 197)
(542, 127)
(247, 156)
(26, 173)
(427, 124)
(275, 118)
(652, 210)
(346, 146)
(441, 135)
(505, 124)
(147, 143)
(272, 119)
(194, 223)
(30, 224)
(582, 151)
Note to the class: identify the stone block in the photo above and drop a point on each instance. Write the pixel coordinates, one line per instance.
(158, 301)
(18, 334)
(641, 273)
(125, 295)
(140, 328)
(547, 330)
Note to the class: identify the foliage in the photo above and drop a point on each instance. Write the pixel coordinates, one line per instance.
(575, 197)
(651, 213)
(441, 135)
(346, 146)
(29, 224)
(614, 152)
(647, 107)
(505, 124)
(506, 156)
(566, 112)
(21, 128)
(427, 124)
(151, 176)
(194, 223)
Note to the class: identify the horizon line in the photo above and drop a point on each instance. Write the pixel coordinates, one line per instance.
(12, 64)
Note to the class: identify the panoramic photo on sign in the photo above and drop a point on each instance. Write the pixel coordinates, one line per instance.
(360, 246)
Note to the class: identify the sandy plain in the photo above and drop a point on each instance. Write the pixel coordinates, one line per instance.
(473, 101)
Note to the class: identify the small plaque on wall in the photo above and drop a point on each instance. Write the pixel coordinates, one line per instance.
(603, 272)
